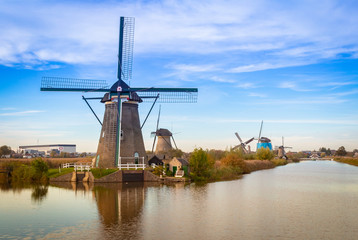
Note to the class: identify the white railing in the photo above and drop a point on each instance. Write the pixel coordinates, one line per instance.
(131, 163)
(78, 166)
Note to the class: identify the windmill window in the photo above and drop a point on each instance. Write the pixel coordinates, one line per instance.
(103, 134)
(136, 158)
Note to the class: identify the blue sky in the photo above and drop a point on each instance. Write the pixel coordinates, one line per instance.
(292, 64)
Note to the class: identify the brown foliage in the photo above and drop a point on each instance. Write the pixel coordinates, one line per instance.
(255, 165)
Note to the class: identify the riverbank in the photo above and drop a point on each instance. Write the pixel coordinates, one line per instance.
(26, 171)
(347, 160)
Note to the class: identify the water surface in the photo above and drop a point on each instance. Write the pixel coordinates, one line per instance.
(309, 200)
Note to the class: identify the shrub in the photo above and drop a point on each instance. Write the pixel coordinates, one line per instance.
(255, 165)
(200, 164)
(158, 170)
(279, 161)
(233, 159)
(36, 172)
(224, 173)
(264, 154)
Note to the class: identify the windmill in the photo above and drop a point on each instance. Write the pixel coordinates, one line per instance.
(281, 150)
(243, 144)
(263, 141)
(121, 139)
(164, 139)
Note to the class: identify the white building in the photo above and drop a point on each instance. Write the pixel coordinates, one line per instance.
(69, 148)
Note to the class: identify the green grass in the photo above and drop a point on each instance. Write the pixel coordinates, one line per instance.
(99, 172)
(54, 172)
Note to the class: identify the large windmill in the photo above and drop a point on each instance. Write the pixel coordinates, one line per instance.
(121, 139)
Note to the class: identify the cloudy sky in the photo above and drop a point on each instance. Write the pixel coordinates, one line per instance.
(292, 64)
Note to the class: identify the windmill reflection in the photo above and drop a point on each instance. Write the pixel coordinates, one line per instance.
(119, 203)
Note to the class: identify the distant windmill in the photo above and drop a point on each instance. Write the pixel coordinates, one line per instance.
(281, 150)
(263, 141)
(121, 139)
(243, 144)
(164, 139)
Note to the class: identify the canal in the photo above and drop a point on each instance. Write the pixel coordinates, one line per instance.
(307, 200)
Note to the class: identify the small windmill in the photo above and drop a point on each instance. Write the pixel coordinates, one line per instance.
(243, 144)
(263, 141)
(121, 139)
(281, 150)
(164, 139)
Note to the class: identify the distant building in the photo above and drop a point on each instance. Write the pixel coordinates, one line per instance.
(47, 149)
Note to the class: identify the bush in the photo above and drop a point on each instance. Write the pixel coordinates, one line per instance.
(279, 161)
(233, 159)
(264, 154)
(225, 173)
(158, 170)
(200, 164)
(36, 172)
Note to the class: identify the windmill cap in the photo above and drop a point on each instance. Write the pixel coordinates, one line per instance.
(133, 95)
(164, 132)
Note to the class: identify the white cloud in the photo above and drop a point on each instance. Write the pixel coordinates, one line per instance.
(300, 33)
(22, 113)
(260, 95)
(247, 85)
(193, 68)
(293, 86)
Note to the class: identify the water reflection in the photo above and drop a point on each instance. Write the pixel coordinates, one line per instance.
(38, 191)
(313, 200)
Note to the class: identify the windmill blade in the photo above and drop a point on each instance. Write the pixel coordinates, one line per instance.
(125, 49)
(260, 131)
(168, 95)
(155, 137)
(73, 85)
(248, 141)
(244, 148)
(158, 119)
(237, 135)
(236, 147)
(174, 142)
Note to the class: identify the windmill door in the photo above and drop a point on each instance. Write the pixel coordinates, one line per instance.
(175, 169)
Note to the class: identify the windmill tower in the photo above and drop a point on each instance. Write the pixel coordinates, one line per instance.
(263, 141)
(281, 150)
(164, 139)
(121, 139)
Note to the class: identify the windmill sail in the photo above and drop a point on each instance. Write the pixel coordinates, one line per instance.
(125, 50)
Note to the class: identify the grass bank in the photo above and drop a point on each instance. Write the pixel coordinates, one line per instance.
(55, 172)
(347, 160)
(100, 172)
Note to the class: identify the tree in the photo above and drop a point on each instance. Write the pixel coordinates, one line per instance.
(323, 149)
(341, 151)
(264, 154)
(200, 164)
(5, 150)
(175, 153)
